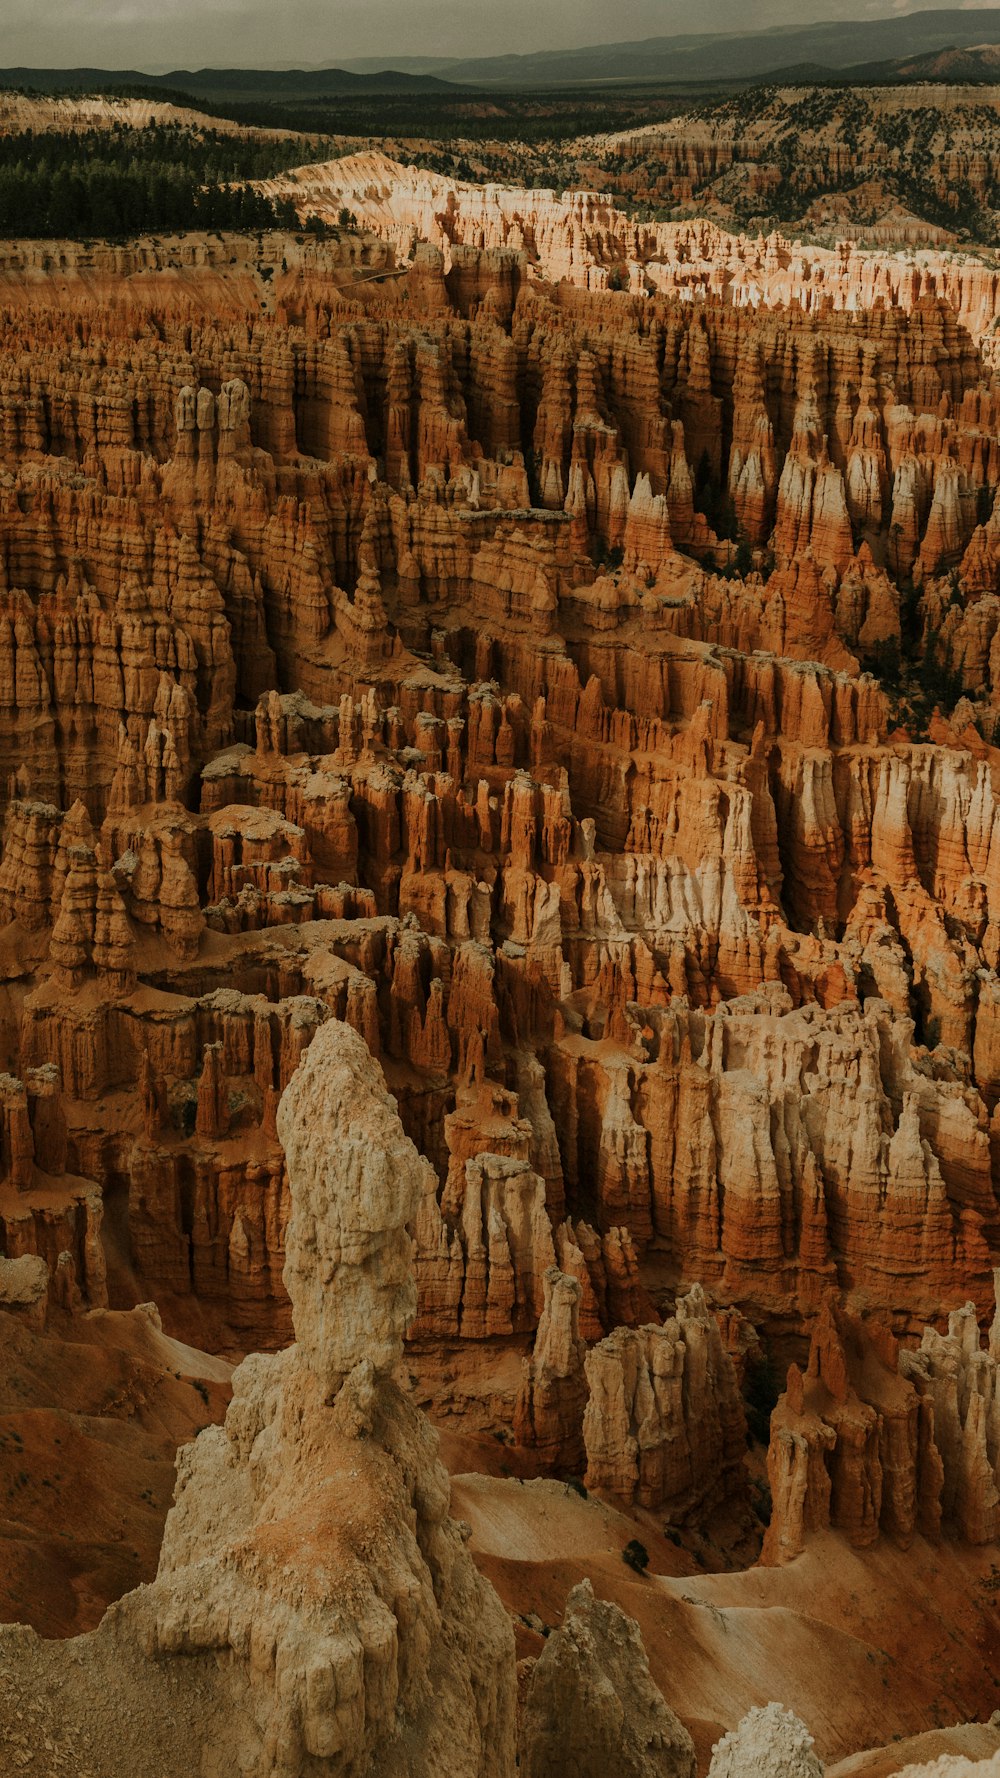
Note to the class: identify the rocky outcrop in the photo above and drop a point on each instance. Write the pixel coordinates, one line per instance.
(873, 1439)
(769, 1743)
(960, 1382)
(550, 1407)
(664, 1425)
(539, 679)
(482, 1263)
(583, 237)
(954, 1766)
(385, 1652)
(428, 671)
(356, 1183)
(850, 159)
(591, 1707)
(24, 1287)
(764, 1202)
(401, 735)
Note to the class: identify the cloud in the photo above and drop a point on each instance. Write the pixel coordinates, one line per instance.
(165, 34)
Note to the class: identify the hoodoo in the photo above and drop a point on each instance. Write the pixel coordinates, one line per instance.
(315, 1610)
(500, 914)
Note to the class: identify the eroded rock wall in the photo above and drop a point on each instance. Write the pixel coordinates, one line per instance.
(483, 661)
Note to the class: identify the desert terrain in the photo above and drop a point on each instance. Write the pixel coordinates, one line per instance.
(499, 948)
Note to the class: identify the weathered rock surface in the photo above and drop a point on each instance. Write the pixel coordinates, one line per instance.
(355, 1185)
(769, 1743)
(876, 1439)
(341, 703)
(773, 1743)
(311, 1584)
(582, 237)
(954, 1766)
(664, 1423)
(538, 680)
(550, 1407)
(591, 1706)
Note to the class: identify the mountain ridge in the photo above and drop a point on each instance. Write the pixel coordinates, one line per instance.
(859, 49)
(234, 84)
(832, 44)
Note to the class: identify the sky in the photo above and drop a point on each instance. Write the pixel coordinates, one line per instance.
(159, 35)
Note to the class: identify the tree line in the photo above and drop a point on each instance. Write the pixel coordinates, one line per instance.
(123, 181)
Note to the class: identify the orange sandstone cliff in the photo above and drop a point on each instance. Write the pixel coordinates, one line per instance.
(578, 709)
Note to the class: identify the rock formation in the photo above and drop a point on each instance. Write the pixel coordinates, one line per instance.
(550, 1408)
(664, 1423)
(355, 1185)
(961, 1384)
(591, 1706)
(562, 837)
(772, 1743)
(954, 1766)
(584, 238)
(888, 165)
(669, 943)
(874, 1439)
(769, 1743)
(373, 1645)
(580, 704)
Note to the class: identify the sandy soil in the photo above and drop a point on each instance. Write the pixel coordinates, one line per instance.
(863, 1645)
(976, 1740)
(91, 1415)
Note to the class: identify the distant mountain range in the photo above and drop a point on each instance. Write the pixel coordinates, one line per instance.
(232, 85)
(734, 56)
(945, 43)
(405, 64)
(980, 62)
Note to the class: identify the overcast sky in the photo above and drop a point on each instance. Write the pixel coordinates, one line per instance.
(165, 34)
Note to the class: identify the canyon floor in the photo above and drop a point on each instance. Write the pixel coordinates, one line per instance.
(499, 1001)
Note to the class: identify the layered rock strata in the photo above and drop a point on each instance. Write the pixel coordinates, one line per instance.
(583, 237)
(481, 661)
